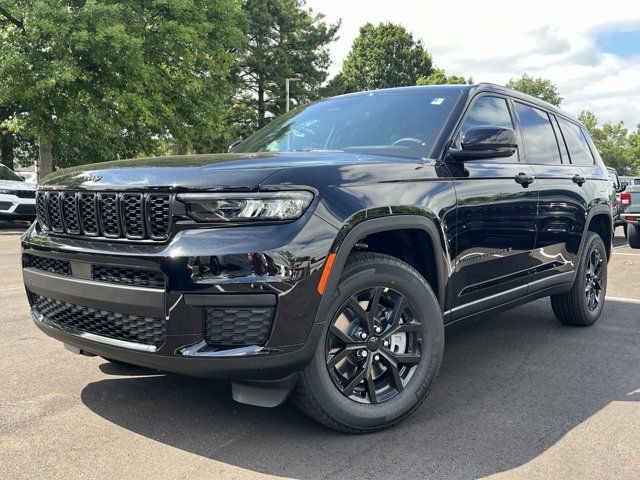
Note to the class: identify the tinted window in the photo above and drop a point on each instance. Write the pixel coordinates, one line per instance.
(564, 153)
(7, 174)
(395, 123)
(539, 141)
(491, 111)
(576, 143)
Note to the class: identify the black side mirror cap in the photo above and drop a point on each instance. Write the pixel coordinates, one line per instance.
(485, 142)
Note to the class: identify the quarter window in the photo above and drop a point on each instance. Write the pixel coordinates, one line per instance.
(576, 143)
(540, 145)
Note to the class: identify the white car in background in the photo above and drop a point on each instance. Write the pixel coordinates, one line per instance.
(17, 197)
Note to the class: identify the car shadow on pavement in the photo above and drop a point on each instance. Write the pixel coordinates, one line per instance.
(510, 387)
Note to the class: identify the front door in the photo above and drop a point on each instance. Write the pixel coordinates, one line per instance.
(495, 227)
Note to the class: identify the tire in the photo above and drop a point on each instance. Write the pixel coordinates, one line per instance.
(633, 234)
(625, 229)
(583, 304)
(418, 338)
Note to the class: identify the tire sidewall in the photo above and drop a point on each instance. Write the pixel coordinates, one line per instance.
(402, 278)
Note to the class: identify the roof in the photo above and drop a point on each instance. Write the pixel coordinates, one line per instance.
(480, 87)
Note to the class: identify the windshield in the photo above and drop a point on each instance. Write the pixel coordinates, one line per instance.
(393, 123)
(7, 174)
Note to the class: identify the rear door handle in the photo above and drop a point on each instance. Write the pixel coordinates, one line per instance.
(579, 179)
(524, 179)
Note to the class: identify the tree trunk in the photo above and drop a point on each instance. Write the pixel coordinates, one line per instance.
(260, 105)
(45, 159)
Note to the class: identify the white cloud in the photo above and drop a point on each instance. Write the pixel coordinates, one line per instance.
(496, 40)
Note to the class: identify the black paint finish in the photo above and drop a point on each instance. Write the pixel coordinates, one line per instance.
(500, 231)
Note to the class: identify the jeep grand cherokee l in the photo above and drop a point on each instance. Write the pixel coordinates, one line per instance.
(326, 253)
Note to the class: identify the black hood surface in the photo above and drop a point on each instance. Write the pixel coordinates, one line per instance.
(200, 172)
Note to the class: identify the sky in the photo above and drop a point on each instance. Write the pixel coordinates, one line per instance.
(590, 50)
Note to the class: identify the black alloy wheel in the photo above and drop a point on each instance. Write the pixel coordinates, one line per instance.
(593, 288)
(373, 345)
(380, 350)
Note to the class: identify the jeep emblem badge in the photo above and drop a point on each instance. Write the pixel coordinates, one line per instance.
(92, 177)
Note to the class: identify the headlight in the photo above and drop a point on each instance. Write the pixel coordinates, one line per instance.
(7, 192)
(246, 207)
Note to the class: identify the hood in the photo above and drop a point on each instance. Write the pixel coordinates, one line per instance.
(15, 185)
(198, 172)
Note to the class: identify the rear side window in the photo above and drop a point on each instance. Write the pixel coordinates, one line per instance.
(540, 145)
(576, 143)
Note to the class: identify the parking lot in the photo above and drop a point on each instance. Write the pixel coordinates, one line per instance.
(518, 396)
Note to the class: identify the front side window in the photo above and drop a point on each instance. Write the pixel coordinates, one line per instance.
(489, 111)
(394, 123)
(539, 140)
(576, 143)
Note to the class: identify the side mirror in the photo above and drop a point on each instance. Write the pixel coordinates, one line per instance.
(485, 142)
(234, 145)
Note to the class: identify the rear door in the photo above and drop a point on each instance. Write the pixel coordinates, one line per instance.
(495, 228)
(563, 198)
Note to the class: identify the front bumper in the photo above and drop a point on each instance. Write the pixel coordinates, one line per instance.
(16, 208)
(273, 268)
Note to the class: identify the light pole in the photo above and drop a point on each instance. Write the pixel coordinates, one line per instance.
(286, 82)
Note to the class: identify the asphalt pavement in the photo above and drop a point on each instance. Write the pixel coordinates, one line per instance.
(518, 396)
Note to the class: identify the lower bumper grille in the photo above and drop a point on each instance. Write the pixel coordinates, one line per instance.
(119, 326)
(51, 265)
(128, 276)
(236, 327)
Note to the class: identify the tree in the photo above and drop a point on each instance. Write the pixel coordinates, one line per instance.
(617, 147)
(539, 87)
(384, 56)
(439, 77)
(100, 80)
(284, 40)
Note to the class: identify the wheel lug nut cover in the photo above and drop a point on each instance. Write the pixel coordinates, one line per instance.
(376, 358)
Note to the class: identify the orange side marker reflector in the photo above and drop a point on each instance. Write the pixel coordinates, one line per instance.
(326, 272)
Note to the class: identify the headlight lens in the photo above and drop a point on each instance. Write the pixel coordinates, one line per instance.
(246, 207)
(7, 192)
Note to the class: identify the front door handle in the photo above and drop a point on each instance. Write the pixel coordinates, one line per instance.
(579, 179)
(524, 179)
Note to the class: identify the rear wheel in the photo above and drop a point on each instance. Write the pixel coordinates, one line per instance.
(633, 234)
(381, 350)
(583, 304)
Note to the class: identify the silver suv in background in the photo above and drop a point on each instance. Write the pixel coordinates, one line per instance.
(17, 197)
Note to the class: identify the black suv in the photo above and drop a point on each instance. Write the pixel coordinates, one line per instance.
(325, 254)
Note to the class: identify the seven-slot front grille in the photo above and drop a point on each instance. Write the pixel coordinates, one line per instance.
(120, 326)
(135, 216)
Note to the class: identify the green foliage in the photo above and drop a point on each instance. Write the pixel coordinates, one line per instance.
(101, 79)
(541, 88)
(284, 40)
(618, 147)
(383, 56)
(439, 77)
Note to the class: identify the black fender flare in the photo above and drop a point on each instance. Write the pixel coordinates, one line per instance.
(601, 209)
(343, 246)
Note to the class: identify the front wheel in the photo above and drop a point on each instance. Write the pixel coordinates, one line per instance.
(583, 304)
(381, 349)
